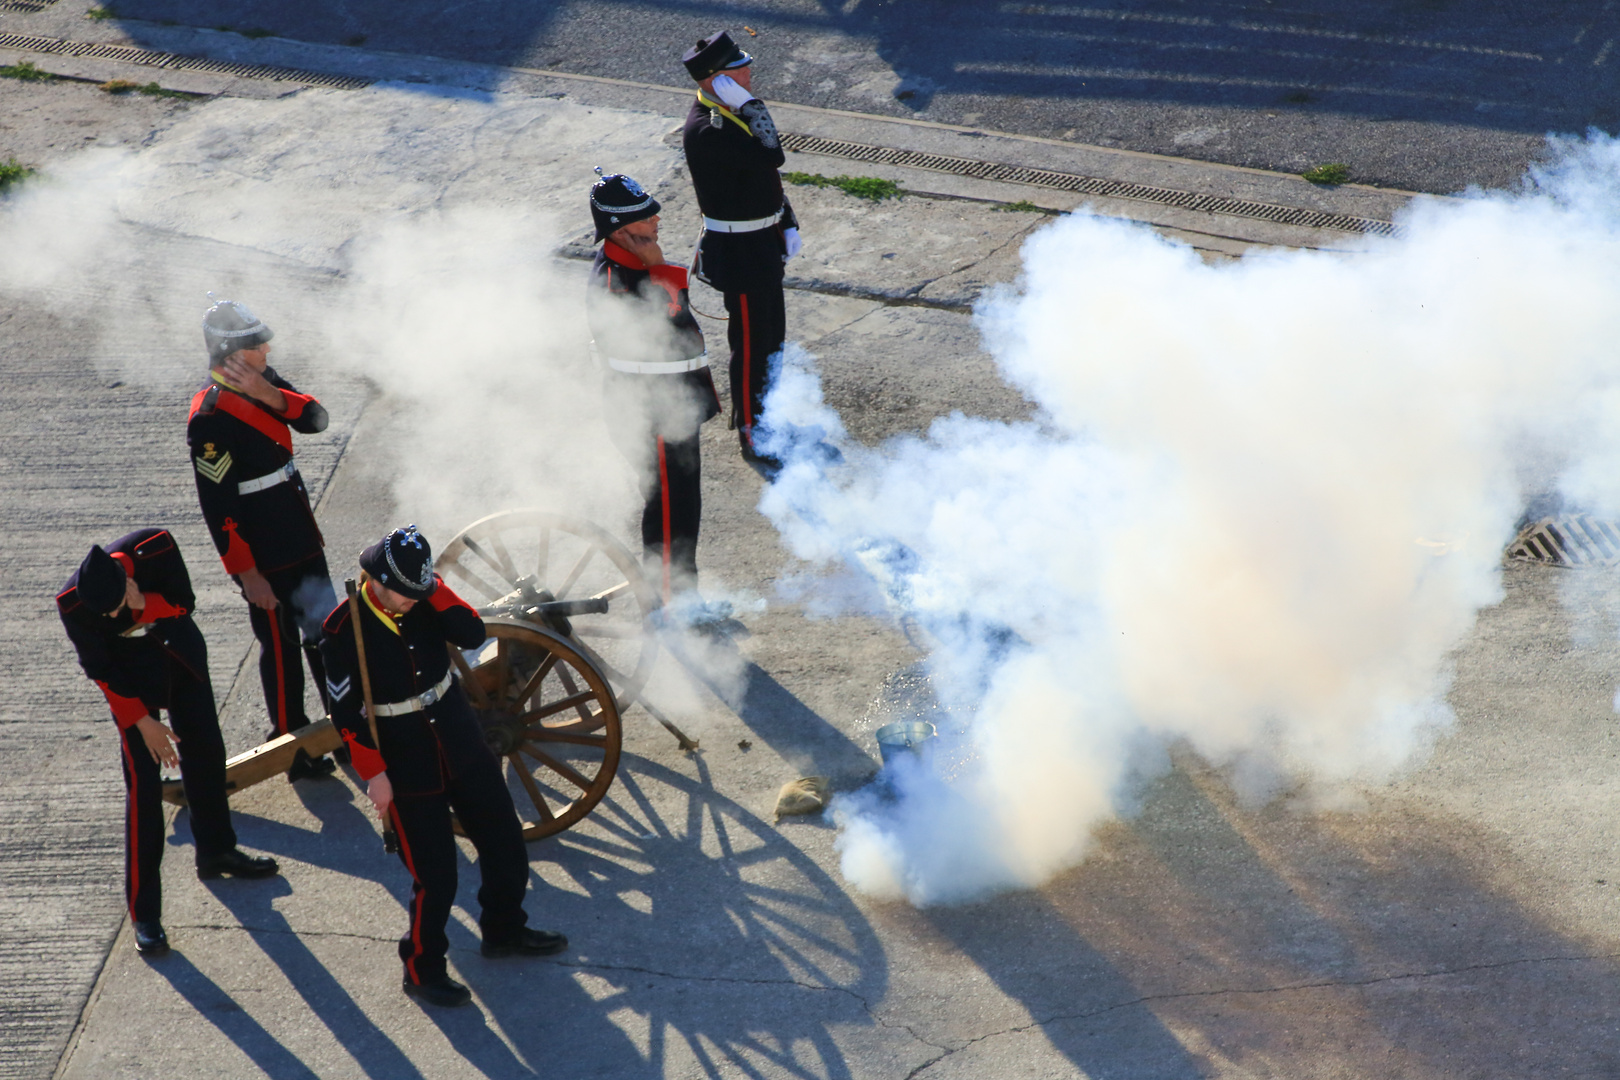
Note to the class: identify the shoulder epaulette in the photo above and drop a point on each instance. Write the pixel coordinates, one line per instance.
(336, 618)
(154, 545)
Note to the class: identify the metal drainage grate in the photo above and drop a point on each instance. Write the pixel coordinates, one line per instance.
(26, 5)
(130, 54)
(1087, 185)
(1571, 541)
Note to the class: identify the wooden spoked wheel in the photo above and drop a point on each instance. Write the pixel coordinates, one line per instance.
(498, 561)
(549, 712)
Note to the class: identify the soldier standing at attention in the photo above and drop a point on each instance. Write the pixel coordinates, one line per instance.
(749, 231)
(258, 510)
(656, 384)
(433, 758)
(127, 610)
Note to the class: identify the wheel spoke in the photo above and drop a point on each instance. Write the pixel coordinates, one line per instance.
(505, 557)
(576, 701)
(472, 580)
(533, 685)
(568, 684)
(539, 800)
(472, 546)
(561, 768)
(573, 575)
(503, 667)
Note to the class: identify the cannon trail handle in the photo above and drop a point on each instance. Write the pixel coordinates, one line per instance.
(567, 608)
(390, 840)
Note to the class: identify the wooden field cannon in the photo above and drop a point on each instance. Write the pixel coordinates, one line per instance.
(569, 614)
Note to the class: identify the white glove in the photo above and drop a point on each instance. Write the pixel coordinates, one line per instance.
(794, 244)
(730, 94)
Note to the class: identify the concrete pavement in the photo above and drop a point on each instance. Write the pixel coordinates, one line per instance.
(1458, 924)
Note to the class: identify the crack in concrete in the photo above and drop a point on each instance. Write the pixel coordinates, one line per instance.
(1328, 984)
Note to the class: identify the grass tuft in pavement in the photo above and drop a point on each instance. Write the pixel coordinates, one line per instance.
(1331, 173)
(104, 11)
(1022, 206)
(862, 187)
(13, 172)
(151, 89)
(26, 72)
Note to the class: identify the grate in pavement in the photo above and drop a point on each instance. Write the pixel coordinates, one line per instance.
(131, 54)
(1087, 185)
(1568, 541)
(26, 5)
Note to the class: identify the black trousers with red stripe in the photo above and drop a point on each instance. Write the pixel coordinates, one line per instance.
(755, 332)
(289, 638)
(202, 769)
(673, 513)
(477, 793)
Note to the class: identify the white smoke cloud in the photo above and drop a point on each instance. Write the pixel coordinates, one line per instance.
(1261, 503)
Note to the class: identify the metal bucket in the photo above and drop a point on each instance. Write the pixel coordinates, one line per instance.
(904, 737)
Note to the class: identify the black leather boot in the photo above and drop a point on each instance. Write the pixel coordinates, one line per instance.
(526, 942)
(439, 990)
(150, 940)
(236, 864)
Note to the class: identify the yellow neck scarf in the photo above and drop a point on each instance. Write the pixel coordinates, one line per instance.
(725, 112)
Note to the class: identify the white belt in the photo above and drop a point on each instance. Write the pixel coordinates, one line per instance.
(659, 367)
(716, 225)
(269, 480)
(138, 630)
(417, 703)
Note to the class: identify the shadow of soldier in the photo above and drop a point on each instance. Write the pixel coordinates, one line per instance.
(1282, 942)
(219, 1008)
(702, 942)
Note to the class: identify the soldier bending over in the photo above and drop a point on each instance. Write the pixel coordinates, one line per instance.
(127, 610)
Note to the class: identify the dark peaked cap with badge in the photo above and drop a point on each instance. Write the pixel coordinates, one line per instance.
(401, 561)
(616, 201)
(713, 54)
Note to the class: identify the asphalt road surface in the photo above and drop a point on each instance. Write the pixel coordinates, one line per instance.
(1429, 95)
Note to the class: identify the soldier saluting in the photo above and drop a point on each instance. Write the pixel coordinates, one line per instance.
(127, 610)
(432, 759)
(656, 383)
(749, 232)
(258, 511)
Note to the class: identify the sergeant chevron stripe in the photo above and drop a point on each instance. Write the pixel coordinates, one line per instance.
(337, 691)
(215, 470)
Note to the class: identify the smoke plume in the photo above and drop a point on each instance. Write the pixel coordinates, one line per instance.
(1259, 505)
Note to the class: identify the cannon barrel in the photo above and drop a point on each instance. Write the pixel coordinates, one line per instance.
(566, 608)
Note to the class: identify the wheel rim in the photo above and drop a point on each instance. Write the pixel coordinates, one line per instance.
(570, 559)
(551, 716)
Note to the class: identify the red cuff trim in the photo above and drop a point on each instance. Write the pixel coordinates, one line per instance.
(443, 598)
(125, 710)
(123, 559)
(157, 608)
(367, 762)
(238, 557)
(296, 403)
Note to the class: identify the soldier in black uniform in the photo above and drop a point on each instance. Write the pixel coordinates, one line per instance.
(258, 510)
(656, 384)
(749, 231)
(433, 758)
(127, 610)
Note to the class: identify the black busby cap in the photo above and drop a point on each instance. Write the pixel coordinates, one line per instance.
(229, 326)
(401, 561)
(101, 581)
(714, 53)
(616, 201)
